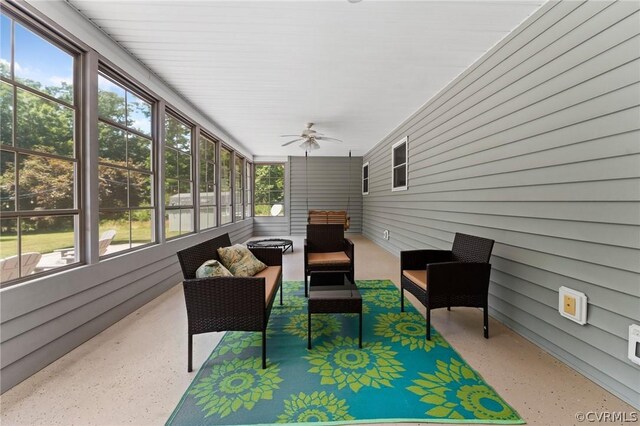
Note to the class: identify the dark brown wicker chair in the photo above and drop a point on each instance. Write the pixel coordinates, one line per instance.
(227, 303)
(326, 249)
(443, 278)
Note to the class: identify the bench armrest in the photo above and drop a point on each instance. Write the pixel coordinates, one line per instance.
(268, 256)
(418, 259)
(349, 248)
(458, 278)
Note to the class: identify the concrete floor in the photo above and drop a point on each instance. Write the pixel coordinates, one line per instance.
(135, 371)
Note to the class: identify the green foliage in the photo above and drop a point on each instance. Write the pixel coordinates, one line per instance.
(269, 188)
(45, 126)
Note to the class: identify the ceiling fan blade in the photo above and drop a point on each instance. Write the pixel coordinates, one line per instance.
(290, 142)
(289, 136)
(326, 138)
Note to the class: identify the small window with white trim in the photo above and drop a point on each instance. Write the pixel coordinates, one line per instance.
(399, 165)
(365, 178)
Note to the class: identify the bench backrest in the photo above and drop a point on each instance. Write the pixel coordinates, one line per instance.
(325, 238)
(191, 258)
(328, 217)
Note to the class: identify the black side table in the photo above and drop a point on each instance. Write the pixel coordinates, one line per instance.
(333, 293)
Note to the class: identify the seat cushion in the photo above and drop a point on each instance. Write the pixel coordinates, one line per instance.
(212, 268)
(333, 258)
(240, 261)
(417, 276)
(271, 277)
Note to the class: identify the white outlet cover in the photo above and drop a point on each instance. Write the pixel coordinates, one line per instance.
(634, 343)
(581, 305)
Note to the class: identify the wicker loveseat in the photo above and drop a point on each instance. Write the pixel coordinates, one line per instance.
(229, 303)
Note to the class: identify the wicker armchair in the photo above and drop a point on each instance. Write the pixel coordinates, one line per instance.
(326, 249)
(443, 278)
(229, 303)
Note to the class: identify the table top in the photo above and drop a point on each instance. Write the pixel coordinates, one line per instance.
(272, 242)
(332, 285)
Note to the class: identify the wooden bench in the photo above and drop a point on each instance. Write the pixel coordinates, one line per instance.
(329, 217)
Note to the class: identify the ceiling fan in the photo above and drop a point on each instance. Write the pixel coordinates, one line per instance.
(309, 138)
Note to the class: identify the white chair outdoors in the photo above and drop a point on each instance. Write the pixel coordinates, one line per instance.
(68, 255)
(105, 240)
(9, 266)
(276, 209)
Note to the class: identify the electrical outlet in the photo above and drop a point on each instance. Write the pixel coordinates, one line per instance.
(634, 343)
(385, 234)
(573, 305)
(570, 305)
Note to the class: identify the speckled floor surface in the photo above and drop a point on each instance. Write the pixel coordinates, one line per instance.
(135, 371)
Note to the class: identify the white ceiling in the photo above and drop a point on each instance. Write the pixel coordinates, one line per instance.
(263, 69)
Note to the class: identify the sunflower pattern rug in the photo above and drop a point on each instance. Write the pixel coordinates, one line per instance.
(398, 376)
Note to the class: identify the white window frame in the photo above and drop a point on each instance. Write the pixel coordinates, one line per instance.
(368, 175)
(405, 141)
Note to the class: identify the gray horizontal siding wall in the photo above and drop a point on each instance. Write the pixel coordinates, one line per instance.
(276, 226)
(536, 145)
(46, 318)
(334, 183)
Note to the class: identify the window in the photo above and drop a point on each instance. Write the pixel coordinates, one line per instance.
(399, 165)
(269, 190)
(238, 176)
(178, 178)
(39, 167)
(125, 167)
(365, 178)
(248, 198)
(208, 213)
(225, 186)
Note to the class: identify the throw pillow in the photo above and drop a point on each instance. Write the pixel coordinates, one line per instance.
(212, 268)
(240, 261)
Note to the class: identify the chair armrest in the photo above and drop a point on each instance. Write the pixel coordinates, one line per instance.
(224, 296)
(458, 277)
(268, 256)
(418, 259)
(349, 248)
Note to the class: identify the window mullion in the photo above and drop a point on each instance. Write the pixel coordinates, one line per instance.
(195, 175)
(89, 234)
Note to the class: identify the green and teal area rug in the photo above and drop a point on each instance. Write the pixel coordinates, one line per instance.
(397, 376)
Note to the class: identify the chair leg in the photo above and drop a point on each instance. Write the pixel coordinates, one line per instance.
(360, 332)
(264, 349)
(309, 330)
(401, 298)
(428, 323)
(486, 322)
(306, 288)
(281, 292)
(190, 353)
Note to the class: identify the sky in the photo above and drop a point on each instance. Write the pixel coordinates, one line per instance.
(35, 58)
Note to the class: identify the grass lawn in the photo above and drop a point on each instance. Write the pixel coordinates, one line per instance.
(48, 241)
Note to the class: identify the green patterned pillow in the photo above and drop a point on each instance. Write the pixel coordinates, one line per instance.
(240, 261)
(212, 268)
